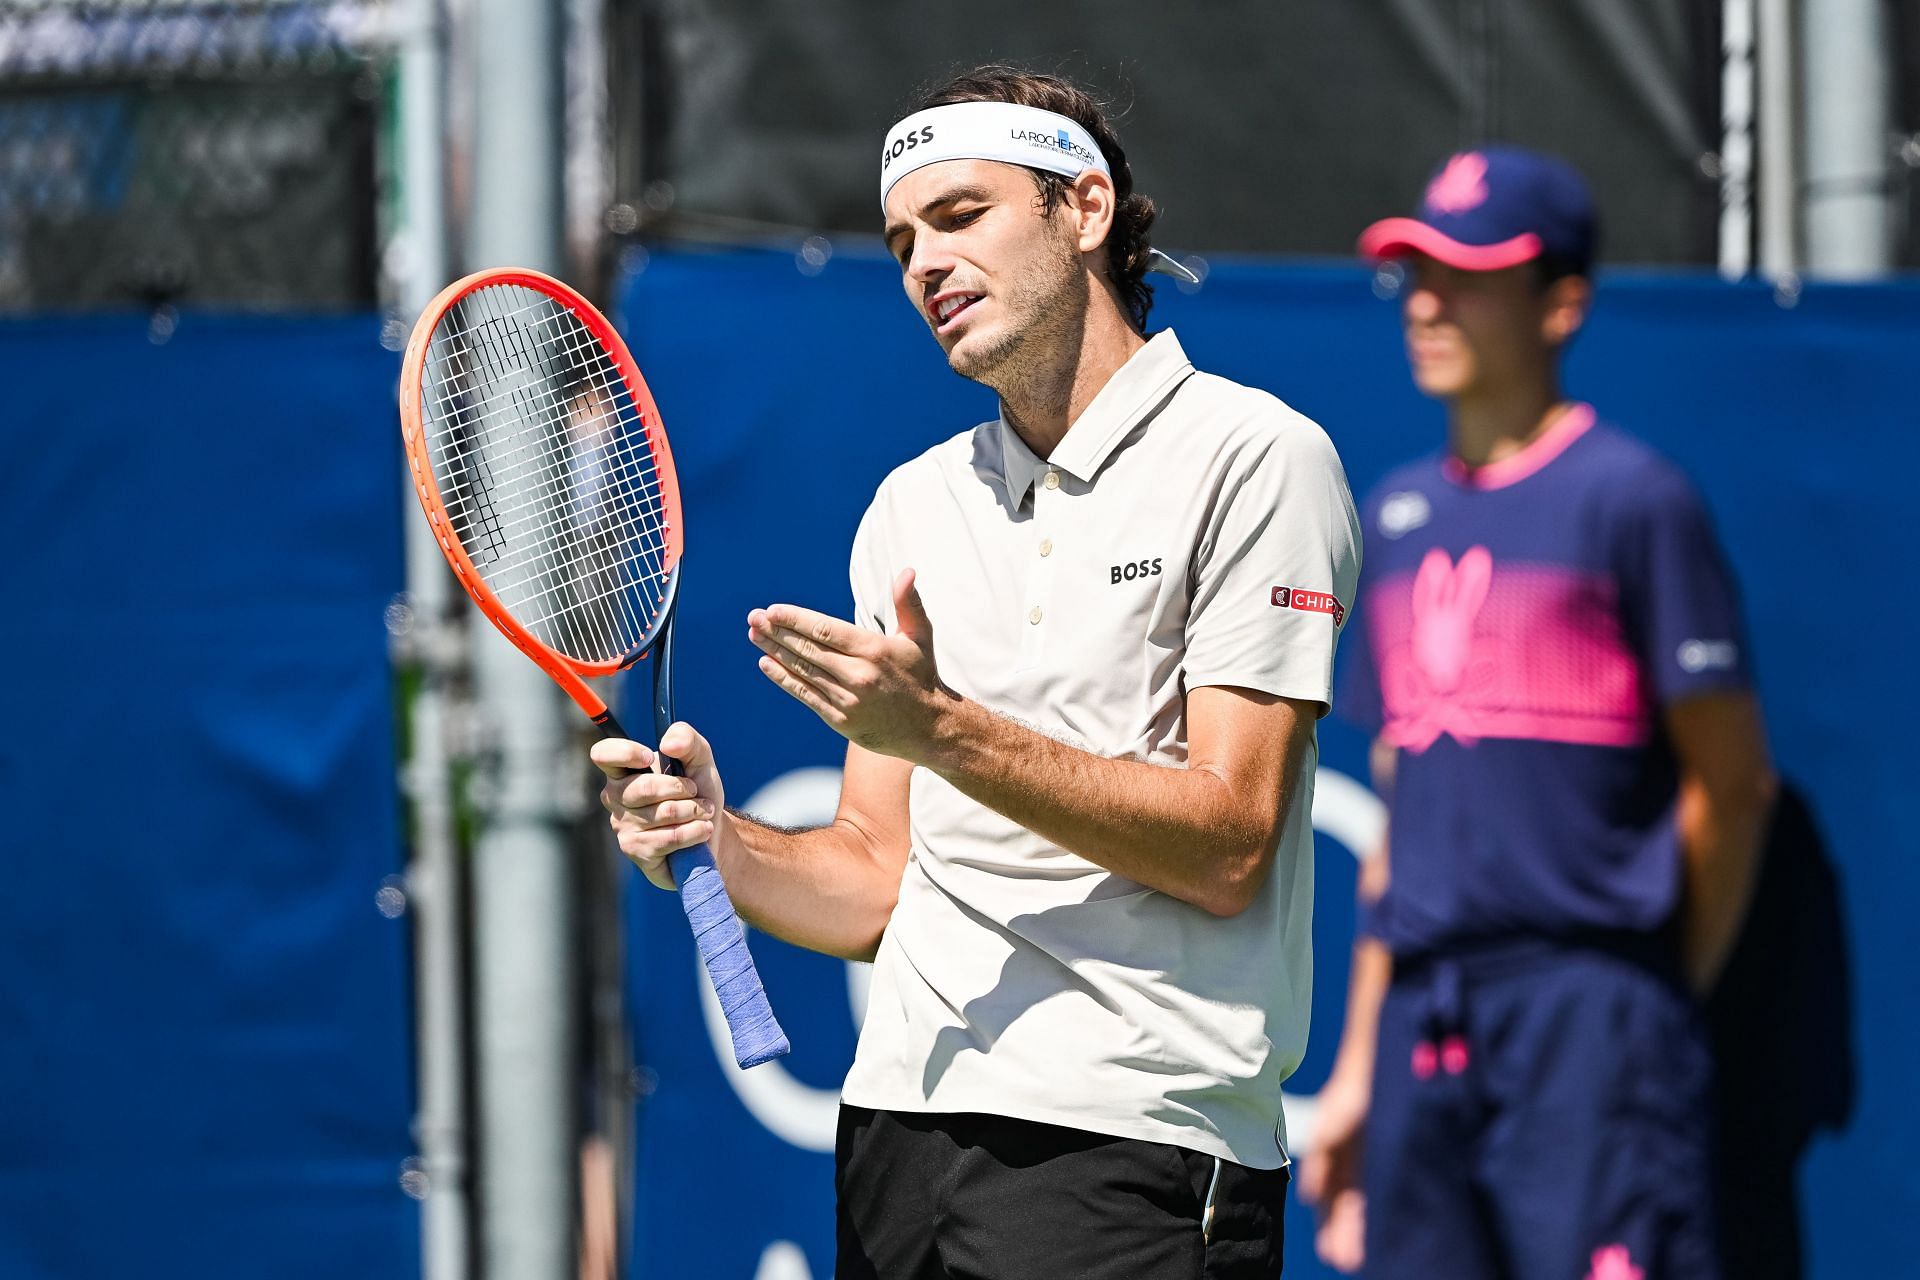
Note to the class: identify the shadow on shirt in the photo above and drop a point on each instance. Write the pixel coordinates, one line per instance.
(1782, 1027)
(1031, 975)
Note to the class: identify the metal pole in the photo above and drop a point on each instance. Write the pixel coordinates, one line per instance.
(589, 160)
(1736, 144)
(434, 874)
(1779, 191)
(1849, 196)
(524, 975)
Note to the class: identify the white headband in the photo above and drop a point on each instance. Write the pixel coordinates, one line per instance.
(1003, 131)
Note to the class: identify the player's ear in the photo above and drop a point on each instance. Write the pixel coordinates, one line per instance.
(1091, 201)
(1567, 301)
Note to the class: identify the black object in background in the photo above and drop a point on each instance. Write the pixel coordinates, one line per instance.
(1782, 1027)
(1257, 127)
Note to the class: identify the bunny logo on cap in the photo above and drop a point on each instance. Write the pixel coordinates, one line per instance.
(1461, 186)
(1493, 208)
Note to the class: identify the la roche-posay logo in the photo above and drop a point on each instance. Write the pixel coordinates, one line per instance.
(1060, 141)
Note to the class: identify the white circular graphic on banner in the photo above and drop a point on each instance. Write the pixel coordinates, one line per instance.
(805, 1116)
(783, 1260)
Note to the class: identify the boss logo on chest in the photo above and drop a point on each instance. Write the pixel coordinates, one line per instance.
(1135, 569)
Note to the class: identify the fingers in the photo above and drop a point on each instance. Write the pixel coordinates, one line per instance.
(617, 757)
(785, 643)
(1330, 1169)
(628, 791)
(804, 693)
(689, 821)
(1342, 1234)
(686, 745)
(653, 815)
(831, 681)
(667, 813)
(648, 848)
(909, 614)
(805, 654)
(827, 634)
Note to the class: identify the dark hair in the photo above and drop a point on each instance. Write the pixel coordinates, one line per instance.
(1549, 267)
(1133, 214)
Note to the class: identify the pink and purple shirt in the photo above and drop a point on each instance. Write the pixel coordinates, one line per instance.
(1521, 627)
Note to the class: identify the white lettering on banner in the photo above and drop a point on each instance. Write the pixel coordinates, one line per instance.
(804, 1116)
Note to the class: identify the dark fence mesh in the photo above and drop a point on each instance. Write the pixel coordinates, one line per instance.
(217, 154)
(1906, 169)
(1258, 127)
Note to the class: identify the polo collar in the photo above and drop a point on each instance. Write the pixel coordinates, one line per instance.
(1134, 390)
(1575, 421)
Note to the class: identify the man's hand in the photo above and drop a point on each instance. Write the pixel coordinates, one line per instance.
(656, 814)
(879, 691)
(1330, 1176)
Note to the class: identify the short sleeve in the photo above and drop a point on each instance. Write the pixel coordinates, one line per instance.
(1677, 594)
(869, 572)
(1275, 571)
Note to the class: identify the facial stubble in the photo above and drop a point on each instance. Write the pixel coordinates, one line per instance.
(1046, 312)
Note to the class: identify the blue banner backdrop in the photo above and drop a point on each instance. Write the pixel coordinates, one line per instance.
(205, 1020)
(790, 390)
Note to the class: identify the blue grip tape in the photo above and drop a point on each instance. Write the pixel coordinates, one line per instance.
(722, 941)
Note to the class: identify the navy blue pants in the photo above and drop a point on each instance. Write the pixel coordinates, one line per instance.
(1539, 1115)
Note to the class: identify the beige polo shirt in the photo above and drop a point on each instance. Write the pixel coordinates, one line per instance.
(1187, 531)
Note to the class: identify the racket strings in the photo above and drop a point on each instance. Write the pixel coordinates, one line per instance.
(483, 520)
(456, 396)
(568, 598)
(547, 471)
(459, 496)
(649, 527)
(451, 399)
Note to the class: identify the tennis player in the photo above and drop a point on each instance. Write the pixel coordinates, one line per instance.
(1089, 644)
(1551, 656)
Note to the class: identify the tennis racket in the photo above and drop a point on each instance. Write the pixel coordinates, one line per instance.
(543, 467)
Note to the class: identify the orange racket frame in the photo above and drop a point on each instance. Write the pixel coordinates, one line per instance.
(717, 931)
(570, 673)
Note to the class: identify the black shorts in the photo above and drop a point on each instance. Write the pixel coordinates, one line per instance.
(979, 1197)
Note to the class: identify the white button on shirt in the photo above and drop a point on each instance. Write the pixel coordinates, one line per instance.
(1016, 978)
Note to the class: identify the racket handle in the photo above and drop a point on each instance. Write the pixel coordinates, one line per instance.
(721, 938)
(722, 941)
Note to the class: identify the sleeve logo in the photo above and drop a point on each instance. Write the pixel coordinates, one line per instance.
(1696, 656)
(1310, 602)
(1404, 512)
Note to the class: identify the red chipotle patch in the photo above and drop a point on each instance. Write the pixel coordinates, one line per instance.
(1309, 602)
